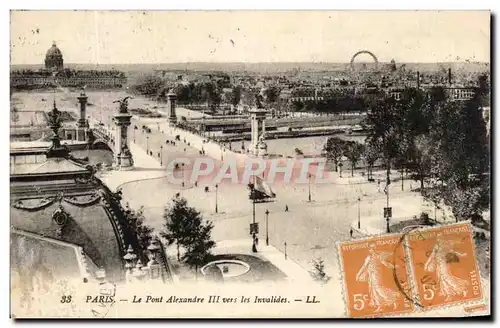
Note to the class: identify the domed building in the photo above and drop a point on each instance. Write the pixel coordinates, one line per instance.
(54, 58)
(68, 227)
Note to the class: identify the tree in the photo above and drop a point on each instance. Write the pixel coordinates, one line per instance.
(14, 114)
(147, 85)
(370, 155)
(459, 153)
(185, 227)
(386, 123)
(198, 250)
(353, 151)
(318, 272)
(271, 95)
(236, 96)
(334, 150)
(143, 231)
(177, 216)
(484, 89)
(296, 106)
(421, 158)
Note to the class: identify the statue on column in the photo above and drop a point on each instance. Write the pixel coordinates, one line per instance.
(123, 104)
(261, 145)
(258, 100)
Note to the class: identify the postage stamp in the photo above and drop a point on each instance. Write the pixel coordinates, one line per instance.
(375, 276)
(444, 265)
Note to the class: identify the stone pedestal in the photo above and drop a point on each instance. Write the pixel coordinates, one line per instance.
(82, 126)
(257, 145)
(172, 115)
(123, 156)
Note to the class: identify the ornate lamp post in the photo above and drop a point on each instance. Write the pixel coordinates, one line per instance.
(267, 227)
(216, 207)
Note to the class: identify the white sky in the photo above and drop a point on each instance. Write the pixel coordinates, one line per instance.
(122, 37)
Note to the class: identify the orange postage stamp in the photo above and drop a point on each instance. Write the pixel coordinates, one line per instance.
(375, 277)
(444, 265)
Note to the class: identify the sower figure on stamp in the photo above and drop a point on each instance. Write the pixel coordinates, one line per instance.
(441, 257)
(371, 272)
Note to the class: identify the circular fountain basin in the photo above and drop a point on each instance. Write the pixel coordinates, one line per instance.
(228, 268)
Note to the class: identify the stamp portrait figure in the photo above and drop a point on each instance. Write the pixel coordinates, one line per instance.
(439, 261)
(372, 273)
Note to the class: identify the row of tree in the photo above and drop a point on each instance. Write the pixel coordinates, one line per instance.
(214, 93)
(441, 142)
(336, 149)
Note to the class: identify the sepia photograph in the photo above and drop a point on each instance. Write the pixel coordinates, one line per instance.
(250, 164)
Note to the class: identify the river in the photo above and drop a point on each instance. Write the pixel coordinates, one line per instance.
(308, 145)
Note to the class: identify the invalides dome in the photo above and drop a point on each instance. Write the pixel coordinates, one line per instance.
(54, 58)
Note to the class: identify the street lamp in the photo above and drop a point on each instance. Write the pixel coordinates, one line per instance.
(216, 207)
(251, 186)
(359, 213)
(161, 155)
(309, 176)
(183, 175)
(267, 227)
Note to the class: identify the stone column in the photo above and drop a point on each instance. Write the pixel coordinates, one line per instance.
(123, 156)
(172, 115)
(82, 124)
(255, 132)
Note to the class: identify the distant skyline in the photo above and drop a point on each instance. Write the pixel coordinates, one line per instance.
(138, 37)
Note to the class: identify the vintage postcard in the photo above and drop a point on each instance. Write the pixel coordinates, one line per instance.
(250, 164)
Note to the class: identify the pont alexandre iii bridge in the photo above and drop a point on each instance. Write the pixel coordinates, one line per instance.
(84, 135)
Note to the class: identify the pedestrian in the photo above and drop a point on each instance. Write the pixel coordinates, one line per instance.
(379, 185)
(286, 208)
(196, 183)
(352, 232)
